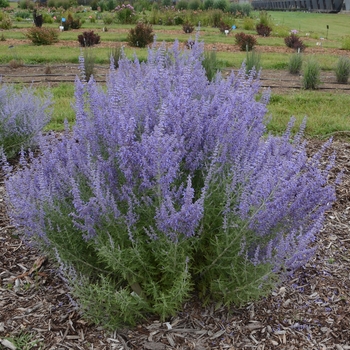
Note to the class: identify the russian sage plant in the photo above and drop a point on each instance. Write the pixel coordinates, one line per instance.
(167, 185)
(23, 115)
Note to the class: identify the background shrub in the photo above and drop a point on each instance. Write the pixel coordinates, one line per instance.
(208, 4)
(71, 22)
(4, 3)
(23, 115)
(220, 5)
(141, 35)
(188, 27)
(42, 36)
(88, 38)
(294, 42)
(246, 42)
(346, 43)
(311, 75)
(215, 17)
(248, 23)
(116, 54)
(246, 9)
(295, 63)
(182, 5)
(108, 19)
(194, 5)
(223, 27)
(125, 14)
(210, 64)
(168, 184)
(263, 29)
(342, 69)
(252, 63)
(265, 19)
(5, 21)
(87, 63)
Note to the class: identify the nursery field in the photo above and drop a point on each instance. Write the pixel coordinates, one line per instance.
(311, 310)
(21, 62)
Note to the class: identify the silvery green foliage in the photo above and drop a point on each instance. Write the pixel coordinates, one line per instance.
(168, 183)
(23, 115)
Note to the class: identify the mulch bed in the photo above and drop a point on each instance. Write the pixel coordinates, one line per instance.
(309, 311)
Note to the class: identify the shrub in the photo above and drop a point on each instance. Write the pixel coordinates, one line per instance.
(346, 43)
(4, 3)
(125, 14)
(71, 22)
(38, 19)
(47, 18)
(188, 27)
(234, 8)
(23, 14)
(87, 63)
(252, 63)
(246, 42)
(168, 184)
(215, 17)
(26, 4)
(220, 5)
(208, 4)
(182, 5)
(210, 64)
(246, 9)
(42, 36)
(294, 42)
(141, 35)
(178, 20)
(23, 115)
(194, 5)
(295, 63)
(108, 19)
(223, 27)
(89, 38)
(5, 21)
(248, 23)
(263, 29)
(342, 69)
(311, 75)
(115, 55)
(265, 19)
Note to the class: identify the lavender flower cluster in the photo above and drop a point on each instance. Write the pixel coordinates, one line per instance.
(23, 115)
(146, 156)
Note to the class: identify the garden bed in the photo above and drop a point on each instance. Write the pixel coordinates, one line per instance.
(310, 311)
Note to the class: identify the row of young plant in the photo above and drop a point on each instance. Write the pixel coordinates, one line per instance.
(128, 14)
(167, 187)
(312, 70)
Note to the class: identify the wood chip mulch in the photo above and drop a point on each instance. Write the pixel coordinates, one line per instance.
(309, 311)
